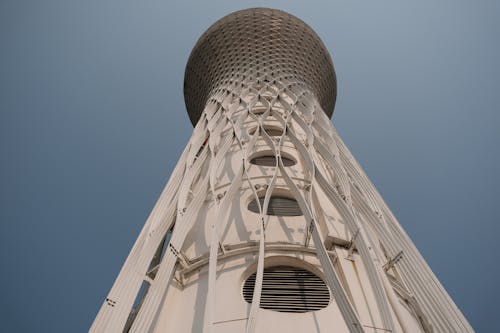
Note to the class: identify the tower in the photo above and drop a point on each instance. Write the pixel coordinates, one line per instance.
(268, 224)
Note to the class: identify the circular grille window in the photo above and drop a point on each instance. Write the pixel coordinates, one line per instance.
(278, 205)
(270, 130)
(270, 160)
(289, 289)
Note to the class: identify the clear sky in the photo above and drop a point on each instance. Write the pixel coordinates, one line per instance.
(92, 122)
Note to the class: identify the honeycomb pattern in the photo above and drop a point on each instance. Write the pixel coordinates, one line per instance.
(255, 46)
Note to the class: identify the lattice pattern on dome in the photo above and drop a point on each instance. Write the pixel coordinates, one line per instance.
(258, 45)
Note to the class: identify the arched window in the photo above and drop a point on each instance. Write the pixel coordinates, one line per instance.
(289, 289)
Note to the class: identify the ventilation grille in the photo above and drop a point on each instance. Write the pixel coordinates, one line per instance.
(271, 161)
(257, 110)
(271, 131)
(289, 289)
(279, 206)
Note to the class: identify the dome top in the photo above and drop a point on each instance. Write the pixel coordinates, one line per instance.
(258, 44)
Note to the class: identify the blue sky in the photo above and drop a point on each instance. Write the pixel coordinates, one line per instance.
(92, 121)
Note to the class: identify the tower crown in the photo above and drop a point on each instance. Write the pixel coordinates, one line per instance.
(258, 45)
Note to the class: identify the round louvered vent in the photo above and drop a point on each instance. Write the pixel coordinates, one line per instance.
(270, 160)
(270, 130)
(289, 289)
(278, 205)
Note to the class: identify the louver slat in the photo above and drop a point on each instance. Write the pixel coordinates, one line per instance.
(279, 206)
(289, 289)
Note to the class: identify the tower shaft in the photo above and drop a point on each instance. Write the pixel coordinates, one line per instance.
(268, 224)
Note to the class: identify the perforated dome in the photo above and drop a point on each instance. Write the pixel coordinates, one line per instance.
(258, 44)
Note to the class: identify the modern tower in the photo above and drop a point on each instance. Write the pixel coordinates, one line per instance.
(268, 223)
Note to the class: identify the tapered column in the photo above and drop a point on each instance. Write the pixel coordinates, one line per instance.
(268, 224)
